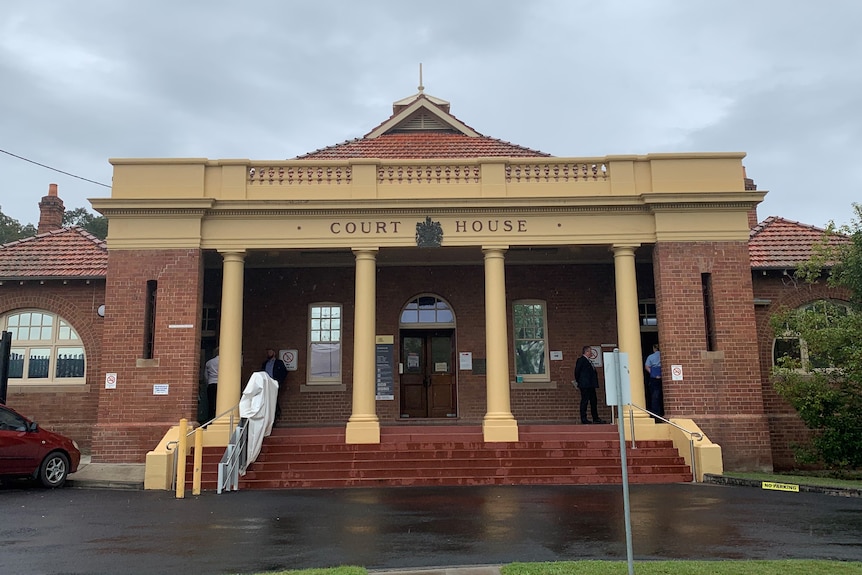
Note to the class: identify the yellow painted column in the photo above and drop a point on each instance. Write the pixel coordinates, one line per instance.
(363, 425)
(628, 325)
(499, 423)
(230, 339)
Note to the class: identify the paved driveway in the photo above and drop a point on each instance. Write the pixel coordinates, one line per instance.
(105, 531)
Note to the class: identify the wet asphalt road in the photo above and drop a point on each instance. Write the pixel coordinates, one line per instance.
(91, 531)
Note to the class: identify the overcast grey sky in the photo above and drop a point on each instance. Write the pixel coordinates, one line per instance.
(84, 81)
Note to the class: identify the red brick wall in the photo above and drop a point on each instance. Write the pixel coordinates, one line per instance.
(581, 310)
(69, 409)
(131, 419)
(782, 292)
(723, 395)
(721, 391)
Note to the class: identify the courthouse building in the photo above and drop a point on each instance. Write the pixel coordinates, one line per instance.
(424, 274)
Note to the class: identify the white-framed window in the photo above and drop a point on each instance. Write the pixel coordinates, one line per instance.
(324, 343)
(46, 349)
(790, 346)
(529, 321)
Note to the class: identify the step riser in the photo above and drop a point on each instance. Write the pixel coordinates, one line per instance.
(308, 458)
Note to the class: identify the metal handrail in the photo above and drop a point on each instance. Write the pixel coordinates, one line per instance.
(692, 435)
(235, 459)
(171, 445)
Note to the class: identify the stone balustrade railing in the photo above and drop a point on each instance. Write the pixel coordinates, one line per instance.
(302, 174)
(532, 170)
(560, 171)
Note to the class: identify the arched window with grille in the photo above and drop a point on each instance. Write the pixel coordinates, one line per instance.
(45, 348)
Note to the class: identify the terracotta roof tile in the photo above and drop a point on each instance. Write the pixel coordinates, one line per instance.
(422, 145)
(779, 243)
(65, 253)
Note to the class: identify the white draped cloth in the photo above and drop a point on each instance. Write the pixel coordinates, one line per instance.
(257, 406)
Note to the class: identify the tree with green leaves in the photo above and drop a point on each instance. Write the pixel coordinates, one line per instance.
(824, 384)
(96, 225)
(11, 229)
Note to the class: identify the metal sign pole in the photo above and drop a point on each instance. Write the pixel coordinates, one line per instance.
(624, 462)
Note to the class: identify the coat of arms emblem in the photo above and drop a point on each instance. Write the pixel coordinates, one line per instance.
(429, 234)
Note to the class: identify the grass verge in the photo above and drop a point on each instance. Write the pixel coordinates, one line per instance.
(788, 567)
(806, 479)
(783, 567)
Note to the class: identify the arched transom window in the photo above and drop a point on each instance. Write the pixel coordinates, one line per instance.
(427, 310)
(45, 348)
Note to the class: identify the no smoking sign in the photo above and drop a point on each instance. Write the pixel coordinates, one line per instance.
(288, 356)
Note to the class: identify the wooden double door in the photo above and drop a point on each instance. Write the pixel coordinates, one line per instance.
(428, 386)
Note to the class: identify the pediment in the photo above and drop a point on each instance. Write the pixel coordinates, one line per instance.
(422, 115)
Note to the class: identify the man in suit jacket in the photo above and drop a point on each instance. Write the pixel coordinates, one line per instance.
(276, 369)
(587, 381)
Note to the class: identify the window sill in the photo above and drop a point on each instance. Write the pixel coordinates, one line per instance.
(317, 387)
(533, 385)
(71, 387)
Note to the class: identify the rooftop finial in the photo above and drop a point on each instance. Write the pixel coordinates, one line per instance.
(421, 87)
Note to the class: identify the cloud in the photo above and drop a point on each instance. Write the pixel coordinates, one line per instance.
(267, 79)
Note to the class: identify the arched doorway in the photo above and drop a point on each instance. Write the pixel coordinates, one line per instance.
(428, 383)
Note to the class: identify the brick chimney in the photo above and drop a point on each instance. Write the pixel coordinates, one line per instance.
(752, 213)
(51, 211)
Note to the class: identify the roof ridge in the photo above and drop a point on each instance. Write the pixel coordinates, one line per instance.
(774, 219)
(57, 231)
(330, 147)
(88, 235)
(508, 143)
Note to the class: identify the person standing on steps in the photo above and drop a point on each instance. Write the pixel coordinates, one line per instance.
(275, 368)
(655, 400)
(211, 370)
(587, 381)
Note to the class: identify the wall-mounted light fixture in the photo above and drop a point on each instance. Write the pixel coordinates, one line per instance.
(101, 310)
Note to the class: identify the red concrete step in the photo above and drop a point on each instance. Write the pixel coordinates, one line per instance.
(450, 455)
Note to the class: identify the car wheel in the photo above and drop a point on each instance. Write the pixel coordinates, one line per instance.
(54, 470)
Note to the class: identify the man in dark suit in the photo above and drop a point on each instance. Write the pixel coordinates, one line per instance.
(587, 381)
(276, 369)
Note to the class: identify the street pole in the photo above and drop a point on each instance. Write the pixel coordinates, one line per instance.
(624, 462)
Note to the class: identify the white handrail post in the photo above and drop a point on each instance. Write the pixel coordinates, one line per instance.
(693, 462)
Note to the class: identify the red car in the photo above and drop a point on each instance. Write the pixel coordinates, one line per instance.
(27, 450)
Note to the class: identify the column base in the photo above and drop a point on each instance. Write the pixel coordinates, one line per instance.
(500, 430)
(362, 432)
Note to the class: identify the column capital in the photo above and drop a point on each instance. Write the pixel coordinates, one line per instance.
(624, 248)
(366, 251)
(232, 255)
(492, 250)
